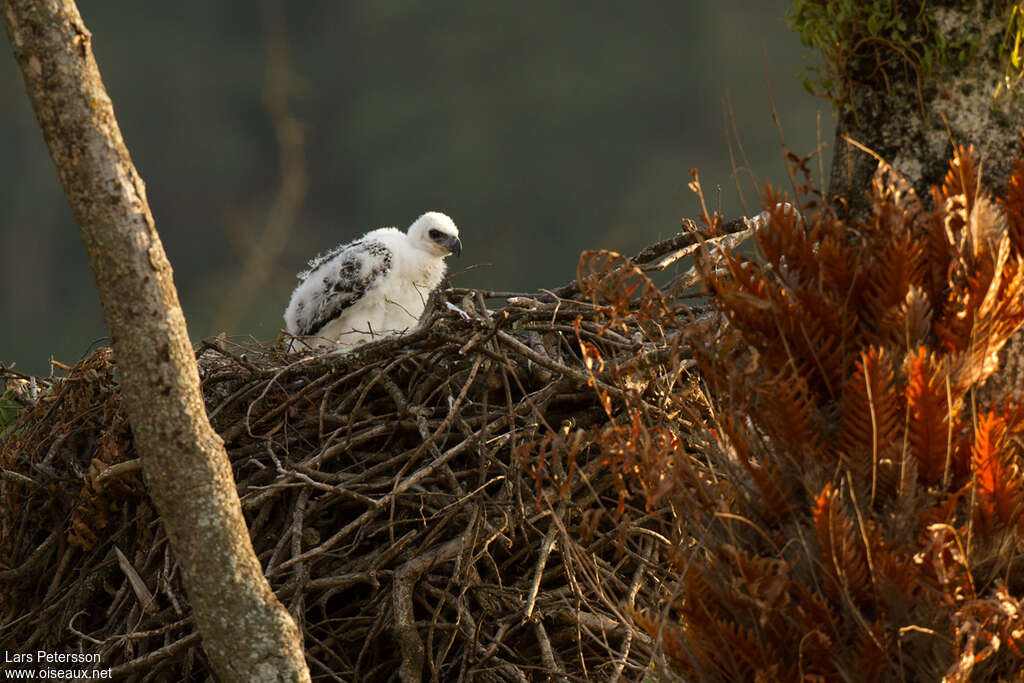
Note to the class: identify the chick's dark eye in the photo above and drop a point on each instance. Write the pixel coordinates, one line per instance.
(434, 234)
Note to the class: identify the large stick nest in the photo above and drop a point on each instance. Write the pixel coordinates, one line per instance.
(410, 503)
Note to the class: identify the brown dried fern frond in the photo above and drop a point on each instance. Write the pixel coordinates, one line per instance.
(652, 459)
(869, 377)
(872, 417)
(746, 659)
(871, 652)
(786, 413)
(793, 325)
(959, 188)
(746, 296)
(768, 479)
(998, 315)
(982, 307)
(821, 331)
(999, 500)
(909, 325)
(844, 556)
(620, 289)
(898, 266)
(841, 265)
(896, 210)
(789, 242)
(720, 621)
(933, 411)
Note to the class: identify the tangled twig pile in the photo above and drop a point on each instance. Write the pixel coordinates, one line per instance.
(395, 497)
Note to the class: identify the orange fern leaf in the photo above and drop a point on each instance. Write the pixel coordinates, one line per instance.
(997, 477)
(698, 612)
(745, 296)
(842, 551)
(999, 314)
(786, 413)
(840, 263)
(756, 662)
(896, 208)
(909, 324)
(673, 641)
(961, 184)
(763, 583)
(618, 287)
(934, 426)
(775, 494)
(871, 415)
(895, 575)
(870, 652)
(899, 266)
(785, 238)
(821, 334)
(791, 312)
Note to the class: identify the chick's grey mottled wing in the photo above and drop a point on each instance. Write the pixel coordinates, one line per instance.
(339, 279)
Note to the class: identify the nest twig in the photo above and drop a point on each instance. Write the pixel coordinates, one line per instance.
(390, 495)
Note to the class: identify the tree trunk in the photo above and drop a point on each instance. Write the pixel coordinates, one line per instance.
(923, 78)
(247, 634)
(910, 96)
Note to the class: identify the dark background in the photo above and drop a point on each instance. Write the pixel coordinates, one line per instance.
(542, 128)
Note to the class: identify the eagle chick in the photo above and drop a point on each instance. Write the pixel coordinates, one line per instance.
(374, 287)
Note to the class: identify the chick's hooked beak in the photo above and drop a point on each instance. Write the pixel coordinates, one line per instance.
(453, 245)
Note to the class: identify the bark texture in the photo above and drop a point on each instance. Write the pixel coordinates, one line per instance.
(912, 119)
(247, 634)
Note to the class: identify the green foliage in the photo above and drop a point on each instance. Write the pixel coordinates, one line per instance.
(1009, 49)
(883, 41)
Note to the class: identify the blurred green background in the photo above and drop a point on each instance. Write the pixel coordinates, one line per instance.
(542, 128)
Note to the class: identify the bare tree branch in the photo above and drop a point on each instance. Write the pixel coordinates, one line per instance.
(247, 634)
